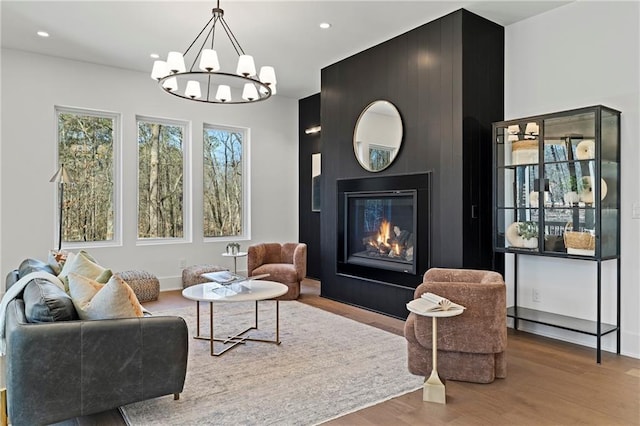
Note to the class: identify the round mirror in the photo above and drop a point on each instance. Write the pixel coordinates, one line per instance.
(377, 136)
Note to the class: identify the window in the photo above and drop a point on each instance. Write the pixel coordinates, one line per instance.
(225, 182)
(86, 147)
(161, 170)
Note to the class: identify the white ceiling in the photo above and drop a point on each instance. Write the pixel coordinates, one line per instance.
(284, 34)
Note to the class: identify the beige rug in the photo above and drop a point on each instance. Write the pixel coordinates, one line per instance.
(325, 367)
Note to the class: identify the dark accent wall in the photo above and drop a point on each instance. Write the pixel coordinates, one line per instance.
(446, 78)
(308, 222)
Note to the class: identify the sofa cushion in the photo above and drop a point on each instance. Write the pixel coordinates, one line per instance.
(85, 265)
(93, 300)
(46, 302)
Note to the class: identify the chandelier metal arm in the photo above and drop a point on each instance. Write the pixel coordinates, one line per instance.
(198, 36)
(209, 34)
(234, 41)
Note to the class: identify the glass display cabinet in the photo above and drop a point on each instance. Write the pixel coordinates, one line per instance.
(557, 193)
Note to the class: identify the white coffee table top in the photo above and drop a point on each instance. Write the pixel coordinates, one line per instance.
(242, 291)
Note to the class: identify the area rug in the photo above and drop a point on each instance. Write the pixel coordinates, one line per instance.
(325, 367)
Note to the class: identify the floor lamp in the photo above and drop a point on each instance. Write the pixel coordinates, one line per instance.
(61, 178)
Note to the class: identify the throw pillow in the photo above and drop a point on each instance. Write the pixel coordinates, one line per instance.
(93, 300)
(83, 264)
(46, 302)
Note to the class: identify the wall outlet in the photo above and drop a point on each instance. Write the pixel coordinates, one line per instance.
(535, 295)
(183, 263)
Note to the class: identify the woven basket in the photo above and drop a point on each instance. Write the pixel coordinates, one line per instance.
(578, 240)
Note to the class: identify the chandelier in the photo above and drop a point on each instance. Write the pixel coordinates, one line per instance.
(203, 81)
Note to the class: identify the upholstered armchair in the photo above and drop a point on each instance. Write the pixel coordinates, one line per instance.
(285, 263)
(471, 346)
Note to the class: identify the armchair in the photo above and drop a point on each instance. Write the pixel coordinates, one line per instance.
(471, 346)
(285, 263)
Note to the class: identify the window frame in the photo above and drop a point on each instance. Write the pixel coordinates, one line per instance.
(246, 179)
(117, 177)
(187, 228)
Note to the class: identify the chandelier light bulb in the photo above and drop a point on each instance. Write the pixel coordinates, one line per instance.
(175, 62)
(246, 66)
(193, 89)
(249, 92)
(268, 75)
(160, 70)
(209, 60)
(224, 93)
(170, 84)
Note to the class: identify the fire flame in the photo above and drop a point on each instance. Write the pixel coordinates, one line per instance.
(384, 234)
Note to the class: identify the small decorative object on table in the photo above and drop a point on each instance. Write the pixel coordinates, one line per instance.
(233, 248)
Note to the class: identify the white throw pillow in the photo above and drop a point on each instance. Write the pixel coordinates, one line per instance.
(83, 264)
(93, 300)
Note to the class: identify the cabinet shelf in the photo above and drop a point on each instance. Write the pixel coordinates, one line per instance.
(560, 321)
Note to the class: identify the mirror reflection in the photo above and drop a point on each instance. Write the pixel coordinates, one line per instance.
(377, 136)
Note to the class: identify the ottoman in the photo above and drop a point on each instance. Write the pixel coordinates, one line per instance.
(191, 275)
(144, 284)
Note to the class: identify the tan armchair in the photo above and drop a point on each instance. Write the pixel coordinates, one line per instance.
(285, 263)
(471, 346)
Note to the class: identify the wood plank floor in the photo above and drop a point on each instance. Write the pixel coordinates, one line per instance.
(548, 382)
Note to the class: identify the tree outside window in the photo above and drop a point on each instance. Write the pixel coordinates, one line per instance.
(223, 181)
(86, 148)
(160, 179)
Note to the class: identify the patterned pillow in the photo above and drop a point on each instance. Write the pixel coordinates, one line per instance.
(93, 300)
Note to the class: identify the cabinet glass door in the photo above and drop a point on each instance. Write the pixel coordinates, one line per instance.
(518, 179)
(570, 222)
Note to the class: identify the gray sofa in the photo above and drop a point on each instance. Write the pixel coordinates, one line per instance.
(69, 368)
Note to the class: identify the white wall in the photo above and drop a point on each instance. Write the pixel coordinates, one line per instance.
(33, 84)
(584, 53)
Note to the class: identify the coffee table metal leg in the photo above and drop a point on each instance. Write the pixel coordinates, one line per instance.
(211, 338)
(278, 321)
(238, 338)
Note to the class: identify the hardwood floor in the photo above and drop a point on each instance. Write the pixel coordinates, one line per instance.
(549, 382)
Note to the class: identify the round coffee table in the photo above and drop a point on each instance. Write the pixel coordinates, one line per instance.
(242, 291)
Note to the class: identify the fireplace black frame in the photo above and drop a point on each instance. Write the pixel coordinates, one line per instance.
(420, 184)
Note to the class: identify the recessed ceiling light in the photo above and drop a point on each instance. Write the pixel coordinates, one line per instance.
(325, 25)
(43, 33)
(154, 55)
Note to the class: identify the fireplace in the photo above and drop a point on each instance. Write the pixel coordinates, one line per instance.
(380, 229)
(383, 228)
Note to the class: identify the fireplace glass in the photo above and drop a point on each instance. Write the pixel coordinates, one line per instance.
(381, 229)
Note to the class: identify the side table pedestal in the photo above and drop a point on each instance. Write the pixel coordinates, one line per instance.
(433, 390)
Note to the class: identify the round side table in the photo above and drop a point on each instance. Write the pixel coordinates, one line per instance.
(433, 390)
(235, 259)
